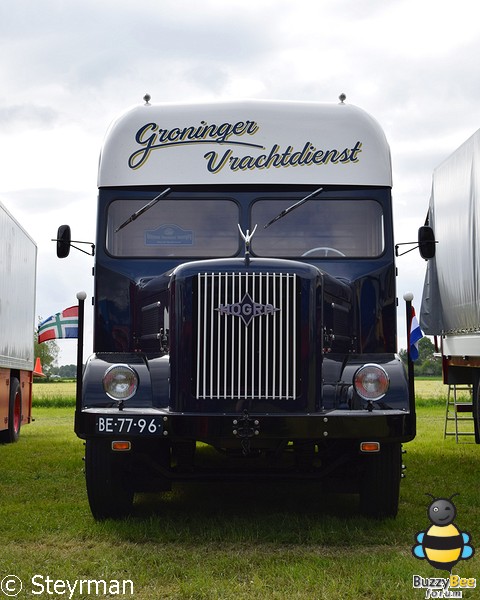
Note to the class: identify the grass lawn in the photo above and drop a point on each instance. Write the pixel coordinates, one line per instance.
(230, 541)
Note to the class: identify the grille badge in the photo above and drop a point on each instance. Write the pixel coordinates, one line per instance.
(247, 309)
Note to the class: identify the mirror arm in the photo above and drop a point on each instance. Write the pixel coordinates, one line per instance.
(92, 246)
(410, 249)
(406, 251)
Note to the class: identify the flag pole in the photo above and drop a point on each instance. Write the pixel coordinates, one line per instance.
(408, 297)
(81, 296)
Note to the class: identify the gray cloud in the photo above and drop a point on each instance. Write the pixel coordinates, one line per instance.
(26, 116)
(91, 44)
(40, 201)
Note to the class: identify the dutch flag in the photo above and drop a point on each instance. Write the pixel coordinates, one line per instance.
(415, 336)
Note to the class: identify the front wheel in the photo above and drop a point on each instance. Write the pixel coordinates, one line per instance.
(380, 483)
(108, 490)
(12, 433)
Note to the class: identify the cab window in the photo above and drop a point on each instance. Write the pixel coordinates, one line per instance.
(319, 228)
(174, 228)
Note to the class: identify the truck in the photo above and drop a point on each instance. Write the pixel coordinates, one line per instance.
(18, 262)
(450, 309)
(244, 305)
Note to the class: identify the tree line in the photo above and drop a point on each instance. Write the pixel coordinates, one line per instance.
(48, 353)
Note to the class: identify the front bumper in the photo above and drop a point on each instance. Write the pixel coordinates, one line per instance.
(215, 429)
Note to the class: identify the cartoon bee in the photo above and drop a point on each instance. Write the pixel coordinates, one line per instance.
(442, 544)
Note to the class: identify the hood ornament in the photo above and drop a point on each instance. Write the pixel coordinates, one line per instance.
(246, 238)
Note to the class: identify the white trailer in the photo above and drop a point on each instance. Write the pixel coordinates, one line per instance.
(18, 259)
(451, 295)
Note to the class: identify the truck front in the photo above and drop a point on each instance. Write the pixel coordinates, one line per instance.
(244, 304)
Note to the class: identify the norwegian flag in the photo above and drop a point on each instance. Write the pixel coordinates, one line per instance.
(61, 325)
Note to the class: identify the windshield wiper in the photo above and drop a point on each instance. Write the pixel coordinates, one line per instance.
(140, 211)
(290, 208)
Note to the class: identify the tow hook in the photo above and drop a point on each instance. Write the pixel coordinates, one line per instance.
(246, 428)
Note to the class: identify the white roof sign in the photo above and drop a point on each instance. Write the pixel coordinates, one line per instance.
(260, 142)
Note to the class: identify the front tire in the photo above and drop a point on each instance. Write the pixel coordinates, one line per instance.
(108, 491)
(380, 483)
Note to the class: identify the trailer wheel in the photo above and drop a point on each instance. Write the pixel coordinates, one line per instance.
(109, 495)
(12, 433)
(380, 483)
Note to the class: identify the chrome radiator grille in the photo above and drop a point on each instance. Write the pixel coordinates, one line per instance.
(247, 336)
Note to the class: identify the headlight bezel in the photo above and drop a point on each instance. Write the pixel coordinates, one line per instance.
(126, 380)
(371, 382)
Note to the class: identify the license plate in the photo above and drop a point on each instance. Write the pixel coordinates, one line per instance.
(133, 425)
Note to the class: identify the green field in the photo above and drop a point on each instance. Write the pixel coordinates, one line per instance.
(224, 541)
(60, 394)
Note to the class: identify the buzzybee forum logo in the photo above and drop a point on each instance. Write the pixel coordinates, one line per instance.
(443, 545)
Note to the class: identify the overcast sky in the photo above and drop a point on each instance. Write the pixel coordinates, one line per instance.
(69, 67)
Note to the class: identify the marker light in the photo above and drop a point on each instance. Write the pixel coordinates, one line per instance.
(120, 382)
(369, 446)
(121, 446)
(371, 382)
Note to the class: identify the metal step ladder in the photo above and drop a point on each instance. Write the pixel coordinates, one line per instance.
(456, 410)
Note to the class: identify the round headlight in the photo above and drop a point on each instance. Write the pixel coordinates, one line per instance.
(371, 382)
(120, 382)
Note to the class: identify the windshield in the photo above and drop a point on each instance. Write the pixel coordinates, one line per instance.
(174, 228)
(206, 226)
(320, 228)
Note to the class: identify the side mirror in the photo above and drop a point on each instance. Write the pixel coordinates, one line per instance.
(64, 243)
(426, 242)
(64, 240)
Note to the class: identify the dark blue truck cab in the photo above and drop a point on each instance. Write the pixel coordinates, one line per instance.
(244, 302)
